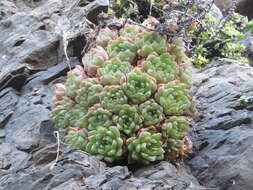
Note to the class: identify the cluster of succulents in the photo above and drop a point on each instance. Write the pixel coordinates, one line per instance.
(129, 100)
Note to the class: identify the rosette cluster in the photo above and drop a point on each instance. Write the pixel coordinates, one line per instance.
(129, 100)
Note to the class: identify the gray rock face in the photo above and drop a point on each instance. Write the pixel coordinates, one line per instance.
(243, 6)
(32, 38)
(223, 134)
(77, 170)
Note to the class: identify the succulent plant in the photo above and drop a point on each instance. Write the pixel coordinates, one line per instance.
(105, 35)
(88, 93)
(148, 42)
(131, 100)
(113, 98)
(129, 31)
(74, 77)
(98, 116)
(163, 68)
(176, 127)
(146, 148)
(94, 60)
(174, 98)
(113, 71)
(151, 112)
(105, 143)
(77, 138)
(67, 113)
(127, 120)
(122, 49)
(138, 86)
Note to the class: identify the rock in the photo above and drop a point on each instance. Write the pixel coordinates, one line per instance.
(30, 124)
(223, 133)
(157, 176)
(248, 43)
(35, 39)
(243, 6)
(39, 174)
(9, 100)
(7, 8)
(10, 158)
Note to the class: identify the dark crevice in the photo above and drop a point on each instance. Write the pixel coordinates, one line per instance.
(19, 42)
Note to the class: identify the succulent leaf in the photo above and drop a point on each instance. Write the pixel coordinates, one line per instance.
(104, 36)
(175, 127)
(138, 86)
(105, 143)
(74, 77)
(150, 42)
(113, 71)
(129, 31)
(163, 68)
(128, 120)
(151, 112)
(122, 49)
(77, 138)
(98, 116)
(94, 59)
(113, 97)
(88, 93)
(174, 99)
(146, 148)
(67, 113)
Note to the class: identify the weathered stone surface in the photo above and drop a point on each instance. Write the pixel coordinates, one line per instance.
(10, 158)
(7, 8)
(243, 6)
(223, 134)
(35, 38)
(32, 60)
(9, 100)
(37, 172)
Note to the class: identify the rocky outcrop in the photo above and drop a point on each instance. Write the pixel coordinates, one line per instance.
(243, 6)
(223, 133)
(33, 36)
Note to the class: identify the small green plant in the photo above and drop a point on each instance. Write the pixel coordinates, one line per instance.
(127, 100)
(246, 100)
(208, 38)
(227, 43)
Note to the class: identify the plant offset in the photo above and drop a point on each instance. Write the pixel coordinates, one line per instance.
(130, 100)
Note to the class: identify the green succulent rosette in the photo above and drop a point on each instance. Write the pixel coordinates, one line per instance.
(105, 143)
(151, 112)
(128, 120)
(176, 127)
(60, 93)
(113, 70)
(163, 68)
(185, 73)
(67, 113)
(113, 97)
(97, 116)
(74, 77)
(77, 138)
(122, 49)
(178, 49)
(138, 86)
(94, 59)
(129, 31)
(88, 93)
(149, 42)
(174, 98)
(146, 148)
(105, 35)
